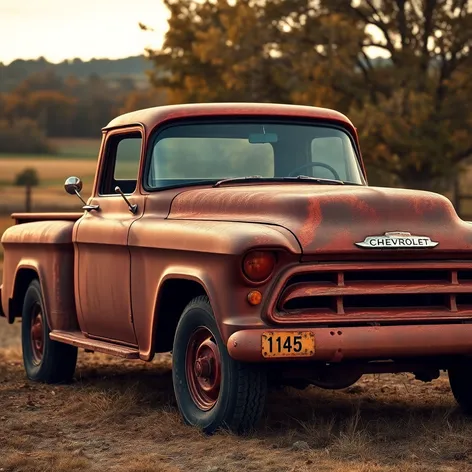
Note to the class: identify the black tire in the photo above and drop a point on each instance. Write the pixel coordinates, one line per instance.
(242, 390)
(460, 380)
(53, 362)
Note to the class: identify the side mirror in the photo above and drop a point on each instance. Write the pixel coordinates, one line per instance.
(73, 186)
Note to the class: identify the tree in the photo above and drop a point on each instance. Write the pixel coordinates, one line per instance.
(416, 119)
(28, 178)
(65, 106)
(53, 110)
(217, 51)
(412, 106)
(23, 136)
(139, 99)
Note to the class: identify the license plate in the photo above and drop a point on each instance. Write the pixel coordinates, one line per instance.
(288, 344)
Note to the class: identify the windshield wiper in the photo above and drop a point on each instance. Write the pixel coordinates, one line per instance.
(248, 178)
(316, 179)
(259, 178)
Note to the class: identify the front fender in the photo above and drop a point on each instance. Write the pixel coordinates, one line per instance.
(206, 252)
(215, 237)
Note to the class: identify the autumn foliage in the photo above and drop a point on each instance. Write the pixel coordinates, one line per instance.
(46, 105)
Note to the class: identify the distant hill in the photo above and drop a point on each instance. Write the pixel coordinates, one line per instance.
(133, 67)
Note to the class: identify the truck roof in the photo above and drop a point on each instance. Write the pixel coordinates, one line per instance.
(150, 117)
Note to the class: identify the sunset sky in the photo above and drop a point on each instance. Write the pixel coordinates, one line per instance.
(65, 29)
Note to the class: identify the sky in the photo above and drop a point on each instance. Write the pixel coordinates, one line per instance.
(66, 29)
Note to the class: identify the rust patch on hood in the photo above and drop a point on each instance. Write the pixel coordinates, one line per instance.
(331, 219)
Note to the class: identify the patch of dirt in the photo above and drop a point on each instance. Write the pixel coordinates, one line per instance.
(121, 416)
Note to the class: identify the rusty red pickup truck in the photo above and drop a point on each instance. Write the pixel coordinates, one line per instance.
(243, 238)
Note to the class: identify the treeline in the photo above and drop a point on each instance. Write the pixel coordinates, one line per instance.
(47, 105)
(133, 67)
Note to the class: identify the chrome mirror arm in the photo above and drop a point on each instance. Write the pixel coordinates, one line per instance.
(73, 185)
(80, 196)
(132, 208)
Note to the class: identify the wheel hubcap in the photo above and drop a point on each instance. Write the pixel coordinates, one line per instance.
(37, 335)
(203, 369)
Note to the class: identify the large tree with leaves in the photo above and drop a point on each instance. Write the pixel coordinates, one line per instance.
(417, 118)
(218, 51)
(413, 107)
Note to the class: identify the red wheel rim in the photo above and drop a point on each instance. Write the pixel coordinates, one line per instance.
(203, 369)
(37, 335)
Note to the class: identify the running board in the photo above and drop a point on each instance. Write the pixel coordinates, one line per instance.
(77, 338)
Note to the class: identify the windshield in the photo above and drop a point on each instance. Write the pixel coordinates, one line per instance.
(185, 153)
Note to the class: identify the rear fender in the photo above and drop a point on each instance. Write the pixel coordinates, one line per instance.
(57, 295)
(26, 272)
(41, 250)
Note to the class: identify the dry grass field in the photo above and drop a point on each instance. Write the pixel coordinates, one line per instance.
(74, 157)
(77, 147)
(121, 416)
(52, 174)
(49, 170)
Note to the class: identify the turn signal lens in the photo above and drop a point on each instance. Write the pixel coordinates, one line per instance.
(258, 265)
(254, 297)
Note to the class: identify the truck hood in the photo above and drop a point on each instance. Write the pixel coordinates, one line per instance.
(329, 219)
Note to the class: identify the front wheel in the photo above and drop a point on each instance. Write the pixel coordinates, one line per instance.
(213, 390)
(460, 380)
(45, 360)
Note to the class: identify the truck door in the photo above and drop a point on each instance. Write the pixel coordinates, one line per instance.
(102, 278)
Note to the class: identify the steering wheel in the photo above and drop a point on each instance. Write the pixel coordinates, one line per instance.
(315, 164)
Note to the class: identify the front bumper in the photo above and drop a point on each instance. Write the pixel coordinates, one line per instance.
(364, 342)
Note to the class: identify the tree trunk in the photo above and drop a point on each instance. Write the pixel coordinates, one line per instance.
(28, 198)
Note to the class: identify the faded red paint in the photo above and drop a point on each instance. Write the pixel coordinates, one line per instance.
(330, 219)
(367, 342)
(112, 280)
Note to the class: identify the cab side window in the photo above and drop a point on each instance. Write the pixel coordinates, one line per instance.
(122, 158)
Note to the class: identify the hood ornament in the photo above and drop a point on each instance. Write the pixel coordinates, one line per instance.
(397, 240)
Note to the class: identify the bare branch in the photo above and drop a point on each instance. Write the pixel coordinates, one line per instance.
(368, 44)
(367, 77)
(375, 11)
(428, 12)
(402, 22)
(380, 24)
(367, 60)
(416, 7)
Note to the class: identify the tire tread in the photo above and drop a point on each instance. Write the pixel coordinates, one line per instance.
(59, 359)
(251, 382)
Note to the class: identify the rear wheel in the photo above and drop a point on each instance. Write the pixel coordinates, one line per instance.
(44, 360)
(212, 390)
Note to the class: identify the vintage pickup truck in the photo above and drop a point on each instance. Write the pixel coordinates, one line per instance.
(244, 239)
